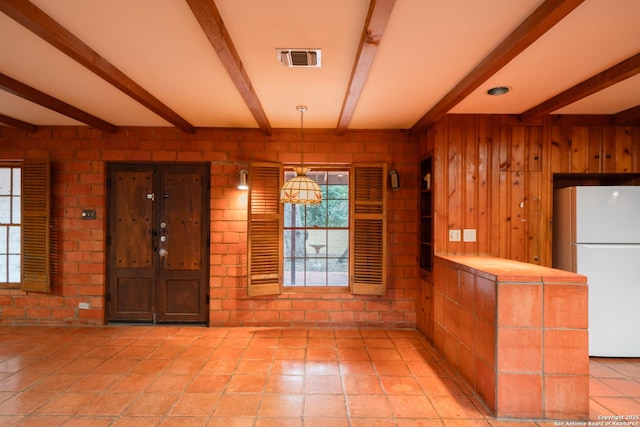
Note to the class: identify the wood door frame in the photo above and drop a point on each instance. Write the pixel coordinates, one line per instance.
(111, 169)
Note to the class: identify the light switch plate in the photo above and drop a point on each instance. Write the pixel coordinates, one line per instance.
(454, 235)
(469, 234)
(89, 214)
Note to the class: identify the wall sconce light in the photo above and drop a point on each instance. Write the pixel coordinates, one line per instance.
(394, 179)
(242, 184)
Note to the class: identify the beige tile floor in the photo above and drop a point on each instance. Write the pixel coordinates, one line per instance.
(196, 376)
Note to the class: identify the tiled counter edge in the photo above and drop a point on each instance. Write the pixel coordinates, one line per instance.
(516, 332)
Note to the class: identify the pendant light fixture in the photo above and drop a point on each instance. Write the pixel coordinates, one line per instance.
(301, 189)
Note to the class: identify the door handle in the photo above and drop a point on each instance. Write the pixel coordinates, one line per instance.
(162, 252)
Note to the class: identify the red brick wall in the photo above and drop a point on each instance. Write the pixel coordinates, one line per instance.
(79, 155)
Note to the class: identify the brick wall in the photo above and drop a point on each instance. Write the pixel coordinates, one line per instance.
(79, 156)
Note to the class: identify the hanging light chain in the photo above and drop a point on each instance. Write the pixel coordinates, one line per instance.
(302, 109)
(301, 188)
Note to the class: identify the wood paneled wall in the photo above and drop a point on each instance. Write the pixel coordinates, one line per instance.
(594, 149)
(495, 175)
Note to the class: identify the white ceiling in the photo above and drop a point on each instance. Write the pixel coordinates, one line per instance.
(427, 48)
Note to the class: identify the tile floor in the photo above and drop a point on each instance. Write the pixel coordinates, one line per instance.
(195, 376)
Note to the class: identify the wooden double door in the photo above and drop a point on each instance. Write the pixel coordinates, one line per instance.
(157, 243)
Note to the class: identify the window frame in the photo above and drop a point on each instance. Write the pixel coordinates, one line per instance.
(10, 166)
(320, 288)
(368, 229)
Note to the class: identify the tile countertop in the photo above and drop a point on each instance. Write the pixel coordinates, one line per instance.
(506, 270)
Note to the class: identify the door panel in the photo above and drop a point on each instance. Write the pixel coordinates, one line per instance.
(182, 297)
(182, 280)
(157, 243)
(131, 257)
(134, 295)
(133, 215)
(181, 207)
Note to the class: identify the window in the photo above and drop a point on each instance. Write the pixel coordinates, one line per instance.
(316, 237)
(24, 226)
(10, 223)
(280, 235)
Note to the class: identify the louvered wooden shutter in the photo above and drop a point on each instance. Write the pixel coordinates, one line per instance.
(36, 178)
(264, 243)
(368, 229)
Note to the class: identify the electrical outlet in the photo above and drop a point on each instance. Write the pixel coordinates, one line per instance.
(454, 235)
(83, 306)
(469, 234)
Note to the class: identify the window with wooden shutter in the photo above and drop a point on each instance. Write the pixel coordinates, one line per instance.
(368, 229)
(36, 177)
(264, 230)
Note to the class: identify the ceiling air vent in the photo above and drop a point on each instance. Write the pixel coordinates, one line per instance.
(300, 57)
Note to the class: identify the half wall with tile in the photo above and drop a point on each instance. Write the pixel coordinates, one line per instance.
(517, 333)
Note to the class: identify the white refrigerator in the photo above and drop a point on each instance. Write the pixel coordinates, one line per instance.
(596, 232)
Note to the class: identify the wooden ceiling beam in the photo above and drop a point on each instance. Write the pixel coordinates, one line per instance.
(211, 22)
(10, 121)
(34, 95)
(41, 24)
(375, 24)
(532, 28)
(619, 72)
(630, 116)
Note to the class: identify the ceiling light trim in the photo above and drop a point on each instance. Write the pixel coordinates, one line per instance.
(499, 90)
